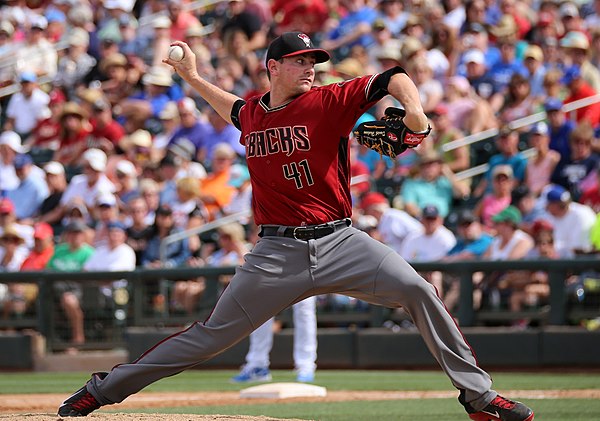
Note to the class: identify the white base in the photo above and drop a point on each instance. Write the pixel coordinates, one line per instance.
(283, 391)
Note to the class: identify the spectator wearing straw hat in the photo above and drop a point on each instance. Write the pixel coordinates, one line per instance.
(576, 45)
(37, 54)
(77, 63)
(7, 48)
(139, 149)
(106, 47)
(74, 131)
(12, 249)
(9, 218)
(115, 83)
(147, 104)
(533, 59)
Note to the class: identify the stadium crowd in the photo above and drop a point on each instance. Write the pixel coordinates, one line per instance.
(104, 151)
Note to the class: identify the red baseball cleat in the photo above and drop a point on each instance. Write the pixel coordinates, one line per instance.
(80, 403)
(500, 409)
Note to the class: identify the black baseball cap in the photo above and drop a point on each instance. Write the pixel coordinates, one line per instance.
(294, 43)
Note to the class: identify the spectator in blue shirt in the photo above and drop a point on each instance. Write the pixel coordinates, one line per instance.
(508, 65)
(192, 128)
(508, 148)
(352, 29)
(32, 189)
(435, 185)
(471, 241)
(219, 131)
(560, 127)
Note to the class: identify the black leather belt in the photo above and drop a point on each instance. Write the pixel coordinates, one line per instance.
(310, 232)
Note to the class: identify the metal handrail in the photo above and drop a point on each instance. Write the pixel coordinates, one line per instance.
(178, 236)
(516, 124)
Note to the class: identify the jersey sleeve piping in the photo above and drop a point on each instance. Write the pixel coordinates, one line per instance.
(235, 113)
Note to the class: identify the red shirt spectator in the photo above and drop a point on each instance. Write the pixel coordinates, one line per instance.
(43, 248)
(591, 197)
(307, 16)
(104, 128)
(180, 20)
(579, 89)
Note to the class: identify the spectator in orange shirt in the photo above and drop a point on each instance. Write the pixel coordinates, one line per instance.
(216, 191)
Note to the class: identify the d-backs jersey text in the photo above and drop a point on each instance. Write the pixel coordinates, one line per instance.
(297, 153)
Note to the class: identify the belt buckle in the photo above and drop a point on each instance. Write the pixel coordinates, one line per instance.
(303, 233)
(294, 233)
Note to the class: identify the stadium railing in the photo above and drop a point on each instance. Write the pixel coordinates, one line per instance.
(129, 304)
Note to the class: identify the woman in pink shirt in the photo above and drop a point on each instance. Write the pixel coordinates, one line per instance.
(499, 198)
(540, 167)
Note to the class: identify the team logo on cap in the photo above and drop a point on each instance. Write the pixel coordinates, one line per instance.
(305, 38)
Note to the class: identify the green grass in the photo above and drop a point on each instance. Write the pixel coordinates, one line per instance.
(218, 380)
(405, 410)
(413, 410)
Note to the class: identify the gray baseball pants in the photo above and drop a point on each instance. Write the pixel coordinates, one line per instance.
(280, 271)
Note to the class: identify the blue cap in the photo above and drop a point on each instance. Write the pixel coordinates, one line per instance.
(553, 104)
(570, 74)
(557, 194)
(28, 77)
(55, 15)
(539, 128)
(116, 225)
(430, 211)
(21, 160)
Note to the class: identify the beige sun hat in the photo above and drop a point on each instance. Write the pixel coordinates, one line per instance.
(158, 76)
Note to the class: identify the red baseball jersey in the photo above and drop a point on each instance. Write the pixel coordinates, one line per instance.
(297, 153)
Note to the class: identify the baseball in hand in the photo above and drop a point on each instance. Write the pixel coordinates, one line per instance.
(176, 53)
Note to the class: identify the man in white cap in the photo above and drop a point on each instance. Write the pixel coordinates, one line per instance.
(50, 210)
(10, 146)
(27, 107)
(84, 188)
(37, 54)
